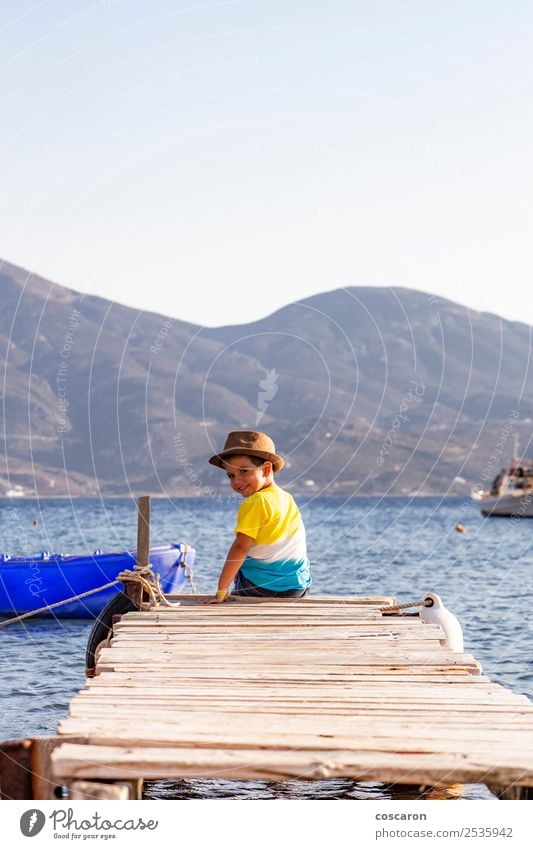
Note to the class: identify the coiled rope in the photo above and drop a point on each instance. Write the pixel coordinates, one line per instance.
(149, 581)
(424, 602)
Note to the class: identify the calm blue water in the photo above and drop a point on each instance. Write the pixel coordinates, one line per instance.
(399, 546)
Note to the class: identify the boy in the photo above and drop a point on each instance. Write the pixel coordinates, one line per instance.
(268, 556)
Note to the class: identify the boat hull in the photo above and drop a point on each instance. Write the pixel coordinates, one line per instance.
(517, 506)
(30, 583)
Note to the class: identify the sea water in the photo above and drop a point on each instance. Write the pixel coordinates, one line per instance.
(364, 546)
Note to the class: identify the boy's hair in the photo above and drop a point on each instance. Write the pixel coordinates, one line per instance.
(258, 461)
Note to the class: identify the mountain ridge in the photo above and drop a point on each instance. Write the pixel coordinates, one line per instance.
(96, 395)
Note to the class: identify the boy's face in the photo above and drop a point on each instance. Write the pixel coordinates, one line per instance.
(244, 477)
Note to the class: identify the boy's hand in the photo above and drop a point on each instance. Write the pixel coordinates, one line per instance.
(219, 598)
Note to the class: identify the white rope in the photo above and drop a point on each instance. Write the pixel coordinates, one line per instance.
(144, 575)
(150, 582)
(58, 604)
(189, 574)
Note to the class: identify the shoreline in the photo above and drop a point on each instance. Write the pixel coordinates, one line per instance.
(219, 495)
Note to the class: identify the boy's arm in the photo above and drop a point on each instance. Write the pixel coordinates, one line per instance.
(235, 558)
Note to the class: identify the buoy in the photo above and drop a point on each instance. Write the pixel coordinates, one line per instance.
(35, 522)
(460, 529)
(437, 614)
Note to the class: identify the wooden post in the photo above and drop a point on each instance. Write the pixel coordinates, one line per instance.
(26, 770)
(143, 530)
(15, 769)
(132, 588)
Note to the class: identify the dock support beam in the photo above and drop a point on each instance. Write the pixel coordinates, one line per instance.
(26, 768)
(26, 773)
(80, 790)
(16, 770)
(133, 589)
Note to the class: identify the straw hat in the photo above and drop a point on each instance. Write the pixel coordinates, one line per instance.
(249, 442)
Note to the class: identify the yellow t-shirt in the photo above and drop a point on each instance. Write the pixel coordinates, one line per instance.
(278, 559)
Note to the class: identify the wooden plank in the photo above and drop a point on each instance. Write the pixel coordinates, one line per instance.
(454, 690)
(368, 694)
(316, 675)
(268, 704)
(309, 707)
(431, 740)
(165, 712)
(176, 730)
(270, 639)
(251, 646)
(247, 622)
(345, 654)
(208, 721)
(241, 608)
(307, 601)
(322, 630)
(417, 660)
(177, 636)
(436, 669)
(248, 612)
(113, 762)
(301, 692)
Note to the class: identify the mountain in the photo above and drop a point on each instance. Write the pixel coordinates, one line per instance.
(365, 390)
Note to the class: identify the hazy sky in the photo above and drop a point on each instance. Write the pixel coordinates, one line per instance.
(215, 161)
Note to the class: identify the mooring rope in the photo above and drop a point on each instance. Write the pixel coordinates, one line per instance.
(424, 602)
(142, 574)
(189, 574)
(150, 581)
(57, 604)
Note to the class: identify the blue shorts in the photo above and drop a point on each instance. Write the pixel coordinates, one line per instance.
(243, 586)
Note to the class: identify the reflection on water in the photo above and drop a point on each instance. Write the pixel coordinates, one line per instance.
(334, 788)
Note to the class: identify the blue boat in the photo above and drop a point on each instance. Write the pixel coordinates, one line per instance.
(28, 583)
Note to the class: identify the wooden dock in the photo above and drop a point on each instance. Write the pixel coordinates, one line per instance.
(314, 688)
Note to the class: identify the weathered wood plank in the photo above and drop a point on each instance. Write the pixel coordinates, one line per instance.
(399, 766)
(266, 628)
(370, 688)
(436, 669)
(307, 601)
(292, 728)
(505, 741)
(343, 654)
(165, 713)
(316, 674)
(174, 699)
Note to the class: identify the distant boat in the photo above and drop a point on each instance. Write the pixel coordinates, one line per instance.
(28, 583)
(511, 492)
